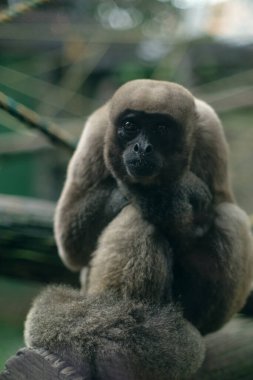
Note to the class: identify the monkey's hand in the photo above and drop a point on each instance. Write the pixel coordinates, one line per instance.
(189, 208)
(183, 209)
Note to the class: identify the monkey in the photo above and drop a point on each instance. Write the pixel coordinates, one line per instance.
(147, 213)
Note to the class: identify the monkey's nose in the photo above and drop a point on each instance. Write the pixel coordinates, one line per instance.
(144, 149)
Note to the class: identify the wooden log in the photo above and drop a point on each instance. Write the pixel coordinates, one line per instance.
(229, 356)
(38, 364)
(229, 352)
(27, 246)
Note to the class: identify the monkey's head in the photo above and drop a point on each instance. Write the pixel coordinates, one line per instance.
(150, 136)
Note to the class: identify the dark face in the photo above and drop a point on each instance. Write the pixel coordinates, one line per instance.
(148, 144)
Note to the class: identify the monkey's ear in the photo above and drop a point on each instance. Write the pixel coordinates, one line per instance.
(210, 155)
(206, 116)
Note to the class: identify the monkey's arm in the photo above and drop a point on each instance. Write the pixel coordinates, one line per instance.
(188, 206)
(207, 183)
(213, 274)
(90, 198)
(214, 271)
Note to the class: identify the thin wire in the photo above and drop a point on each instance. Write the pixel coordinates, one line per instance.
(34, 121)
(19, 8)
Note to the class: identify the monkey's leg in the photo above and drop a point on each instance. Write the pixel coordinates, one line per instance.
(121, 329)
(133, 258)
(108, 338)
(213, 274)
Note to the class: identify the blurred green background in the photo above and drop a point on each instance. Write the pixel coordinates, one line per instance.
(66, 57)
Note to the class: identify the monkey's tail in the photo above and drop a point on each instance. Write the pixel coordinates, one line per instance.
(106, 338)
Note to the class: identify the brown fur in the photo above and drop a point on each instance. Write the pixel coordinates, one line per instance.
(153, 258)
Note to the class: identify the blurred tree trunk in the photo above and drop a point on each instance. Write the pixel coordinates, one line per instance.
(27, 246)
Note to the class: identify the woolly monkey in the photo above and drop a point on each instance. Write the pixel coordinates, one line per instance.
(147, 204)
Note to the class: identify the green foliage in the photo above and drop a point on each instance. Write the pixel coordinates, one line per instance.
(15, 300)
(11, 338)
(16, 173)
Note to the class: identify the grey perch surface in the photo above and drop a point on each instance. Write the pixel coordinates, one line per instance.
(229, 356)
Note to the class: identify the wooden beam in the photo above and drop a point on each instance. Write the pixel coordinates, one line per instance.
(38, 364)
(27, 243)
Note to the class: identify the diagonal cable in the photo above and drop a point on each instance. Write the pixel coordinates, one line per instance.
(19, 8)
(34, 121)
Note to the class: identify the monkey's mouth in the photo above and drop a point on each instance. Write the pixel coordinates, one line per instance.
(141, 169)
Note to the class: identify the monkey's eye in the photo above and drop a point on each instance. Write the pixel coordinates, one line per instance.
(130, 126)
(162, 129)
